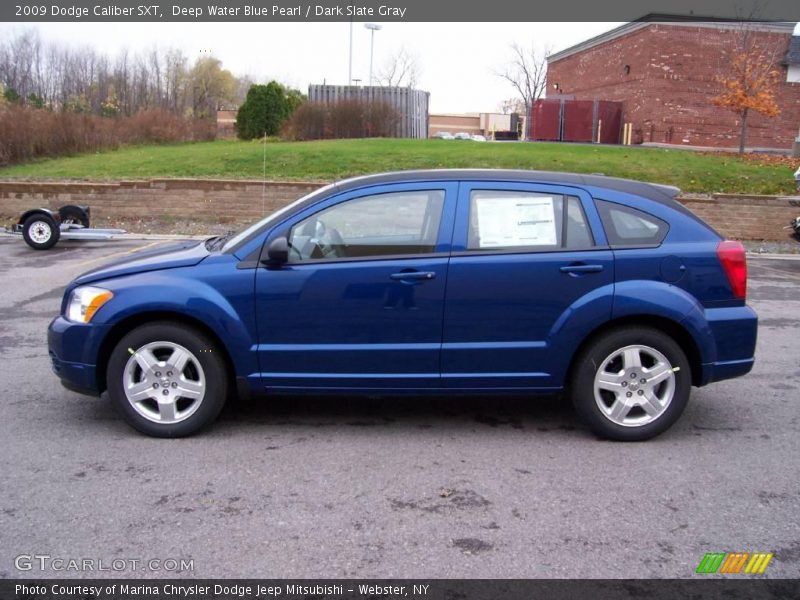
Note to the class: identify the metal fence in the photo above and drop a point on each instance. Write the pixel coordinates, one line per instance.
(561, 120)
(411, 105)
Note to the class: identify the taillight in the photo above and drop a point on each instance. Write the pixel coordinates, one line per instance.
(732, 258)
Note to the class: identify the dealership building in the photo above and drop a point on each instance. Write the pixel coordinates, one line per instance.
(664, 72)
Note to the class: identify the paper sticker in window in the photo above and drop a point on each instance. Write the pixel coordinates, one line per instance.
(515, 220)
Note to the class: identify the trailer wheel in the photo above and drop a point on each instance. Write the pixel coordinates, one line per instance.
(40, 231)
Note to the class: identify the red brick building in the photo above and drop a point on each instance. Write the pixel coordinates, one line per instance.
(665, 73)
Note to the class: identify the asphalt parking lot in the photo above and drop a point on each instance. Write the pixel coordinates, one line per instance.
(420, 487)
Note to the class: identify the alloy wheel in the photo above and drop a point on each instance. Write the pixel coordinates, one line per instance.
(164, 382)
(634, 385)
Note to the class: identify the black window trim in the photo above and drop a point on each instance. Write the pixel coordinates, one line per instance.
(564, 240)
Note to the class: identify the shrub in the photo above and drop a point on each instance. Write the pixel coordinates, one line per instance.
(11, 95)
(382, 120)
(27, 133)
(306, 123)
(346, 119)
(265, 109)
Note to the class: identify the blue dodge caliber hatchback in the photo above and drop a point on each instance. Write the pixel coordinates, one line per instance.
(423, 282)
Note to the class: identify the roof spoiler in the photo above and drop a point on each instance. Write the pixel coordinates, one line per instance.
(669, 190)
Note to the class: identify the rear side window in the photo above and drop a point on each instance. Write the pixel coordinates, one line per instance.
(512, 220)
(626, 226)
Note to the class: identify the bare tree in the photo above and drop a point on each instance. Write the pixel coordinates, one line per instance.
(175, 80)
(401, 69)
(61, 77)
(243, 83)
(511, 105)
(212, 86)
(527, 73)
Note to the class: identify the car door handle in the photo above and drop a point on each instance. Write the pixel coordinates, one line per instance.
(580, 269)
(412, 275)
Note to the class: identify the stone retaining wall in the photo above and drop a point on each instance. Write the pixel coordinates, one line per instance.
(202, 199)
(741, 217)
(221, 201)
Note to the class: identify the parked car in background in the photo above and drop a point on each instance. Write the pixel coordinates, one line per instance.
(434, 282)
(478, 138)
(462, 135)
(443, 135)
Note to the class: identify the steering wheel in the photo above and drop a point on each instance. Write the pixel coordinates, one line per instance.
(331, 246)
(296, 250)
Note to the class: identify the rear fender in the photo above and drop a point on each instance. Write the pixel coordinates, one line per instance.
(654, 298)
(586, 314)
(81, 212)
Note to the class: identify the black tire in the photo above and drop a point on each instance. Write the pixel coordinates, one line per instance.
(39, 226)
(591, 359)
(202, 349)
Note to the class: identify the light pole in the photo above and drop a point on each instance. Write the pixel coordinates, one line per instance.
(373, 28)
(350, 56)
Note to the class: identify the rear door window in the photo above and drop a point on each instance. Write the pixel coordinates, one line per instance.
(517, 220)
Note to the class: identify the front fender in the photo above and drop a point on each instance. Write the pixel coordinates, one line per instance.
(195, 299)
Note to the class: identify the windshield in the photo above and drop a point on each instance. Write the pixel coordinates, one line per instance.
(235, 240)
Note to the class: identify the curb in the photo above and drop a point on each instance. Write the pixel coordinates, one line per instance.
(786, 256)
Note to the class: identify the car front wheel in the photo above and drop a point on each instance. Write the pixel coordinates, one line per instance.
(167, 380)
(631, 384)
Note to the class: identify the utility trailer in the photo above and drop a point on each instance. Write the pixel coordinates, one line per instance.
(41, 228)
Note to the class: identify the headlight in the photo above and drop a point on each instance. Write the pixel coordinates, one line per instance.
(85, 301)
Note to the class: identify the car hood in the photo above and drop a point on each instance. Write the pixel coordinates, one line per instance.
(182, 254)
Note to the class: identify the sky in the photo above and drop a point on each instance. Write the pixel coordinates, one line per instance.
(457, 60)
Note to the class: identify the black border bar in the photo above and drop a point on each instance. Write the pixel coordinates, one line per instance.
(702, 587)
(32, 11)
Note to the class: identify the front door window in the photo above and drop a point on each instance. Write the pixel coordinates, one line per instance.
(392, 224)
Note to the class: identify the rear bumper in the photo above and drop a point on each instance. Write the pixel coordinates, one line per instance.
(73, 351)
(735, 331)
(728, 370)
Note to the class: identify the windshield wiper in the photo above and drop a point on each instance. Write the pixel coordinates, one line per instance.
(211, 241)
(218, 241)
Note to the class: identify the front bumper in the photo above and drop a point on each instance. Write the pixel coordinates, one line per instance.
(73, 350)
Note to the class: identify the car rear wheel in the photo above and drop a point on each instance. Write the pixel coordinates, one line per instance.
(167, 380)
(631, 384)
(40, 231)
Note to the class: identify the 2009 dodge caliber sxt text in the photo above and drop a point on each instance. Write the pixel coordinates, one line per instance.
(424, 282)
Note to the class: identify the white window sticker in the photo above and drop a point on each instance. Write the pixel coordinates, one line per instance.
(516, 221)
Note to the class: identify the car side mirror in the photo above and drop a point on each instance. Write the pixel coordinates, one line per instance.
(278, 251)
